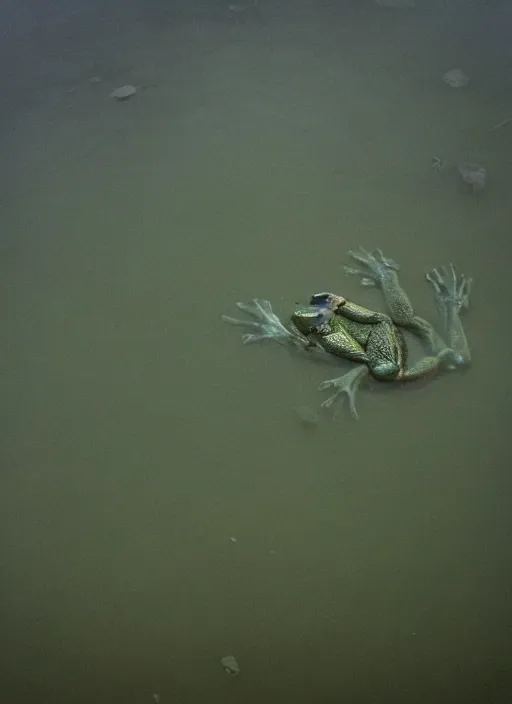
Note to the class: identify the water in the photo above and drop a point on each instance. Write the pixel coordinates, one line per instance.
(370, 560)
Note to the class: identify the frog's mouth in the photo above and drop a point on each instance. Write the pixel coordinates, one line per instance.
(316, 314)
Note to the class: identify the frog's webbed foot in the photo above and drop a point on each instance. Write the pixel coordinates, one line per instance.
(346, 384)
(380, 271)
(452, 296)
(375, 263)
(264, 324)
(451, 291)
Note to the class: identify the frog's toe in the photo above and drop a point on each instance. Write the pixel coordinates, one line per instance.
(262, 323)
(366, 279)
(241, 323)
(347, 384)
(373, 259)
(259, 309)
(450, 288)
(375, 263)
(259, 332)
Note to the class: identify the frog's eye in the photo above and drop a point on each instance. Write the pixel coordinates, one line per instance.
(319, 299)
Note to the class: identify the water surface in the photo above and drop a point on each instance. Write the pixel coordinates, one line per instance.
(372, 559)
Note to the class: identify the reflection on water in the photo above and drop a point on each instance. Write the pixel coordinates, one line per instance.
(162, 504)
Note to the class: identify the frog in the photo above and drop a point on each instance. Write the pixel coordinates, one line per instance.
(340, 328)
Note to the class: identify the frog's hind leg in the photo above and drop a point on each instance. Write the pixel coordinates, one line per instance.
(380, 271)
(347, 384)
(428, 366)
(452, 297)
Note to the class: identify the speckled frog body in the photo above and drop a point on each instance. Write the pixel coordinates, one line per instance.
(365, 336)
(356, 334)
(373, 340)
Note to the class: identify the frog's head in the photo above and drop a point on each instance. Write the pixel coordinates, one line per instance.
(309, 319)
(321, 300)
(329, 301)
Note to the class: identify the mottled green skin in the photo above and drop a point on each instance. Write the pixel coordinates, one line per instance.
(376, 339)
(380, 344)
(373, 340)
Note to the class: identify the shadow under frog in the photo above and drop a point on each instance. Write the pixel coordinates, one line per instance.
(373, 340)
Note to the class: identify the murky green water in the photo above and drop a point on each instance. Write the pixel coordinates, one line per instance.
(161, 505)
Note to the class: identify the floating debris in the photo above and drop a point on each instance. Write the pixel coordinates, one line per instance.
(123, 92)
(473, 174)
(456, 78)
(230, 665)
(307, 415)
(501, 124)
(437, 163)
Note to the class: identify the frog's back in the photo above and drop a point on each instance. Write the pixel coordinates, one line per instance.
(359, 331)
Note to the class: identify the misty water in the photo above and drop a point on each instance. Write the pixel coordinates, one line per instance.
(162, 506)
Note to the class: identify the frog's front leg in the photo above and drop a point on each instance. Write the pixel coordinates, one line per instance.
(452, 296)
(264, 324)
(347, 384)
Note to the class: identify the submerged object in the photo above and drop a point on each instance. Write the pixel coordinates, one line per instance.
(230, 664)
(123, 92)
(473, 174)
(456, 78)
(308, 416)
